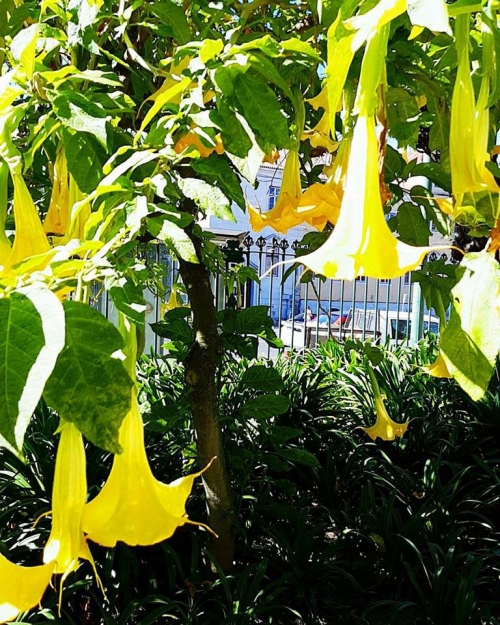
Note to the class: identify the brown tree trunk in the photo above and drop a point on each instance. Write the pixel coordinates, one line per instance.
(201, 367)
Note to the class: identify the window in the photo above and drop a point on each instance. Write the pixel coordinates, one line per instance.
(433, 227)
(385, 281)
(406, 280)
(272, 196)
(361, 279)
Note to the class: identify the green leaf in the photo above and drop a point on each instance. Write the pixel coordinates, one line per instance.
(262, 109)
(435, 173)
(261, 378)
(214, 169)
(439, 134)
(234, 136)
(300, 47)
(90, 386)
(174, 237)
(411, 225)
(210, 48)
(85, 157)
(471, 340)
(253, 320)
(394, 165)
(266, 406)
(300, 456)
(31, 338)
(208, 197)
(128, 298)
(173, 16)
(81, 114)
(174, 326)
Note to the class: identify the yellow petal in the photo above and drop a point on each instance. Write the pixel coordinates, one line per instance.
(384, 427)
(469, 124)
(193, 140)
(439, 368)
(21, 587)
(4, 241)
(134, 507)
(361, 243)
(319, 204)
(66, 543)
(56, 219)
(30, 239)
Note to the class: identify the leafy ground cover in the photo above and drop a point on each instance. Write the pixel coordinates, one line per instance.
(331, 527)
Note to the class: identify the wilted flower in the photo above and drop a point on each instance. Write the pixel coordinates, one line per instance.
(384, 427)
(133, 506)
(21, 587)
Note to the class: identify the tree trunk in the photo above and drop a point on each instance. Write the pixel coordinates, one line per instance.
(201, 367)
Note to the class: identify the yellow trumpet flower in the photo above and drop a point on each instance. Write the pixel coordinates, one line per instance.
(384, 427)
(469, 123)
(67, 543)
(30, 239)
(4, 241)
(174, 301)
(283, 216)
(193, 140)
(21, 587)
(361, 243)
(133, 506)
(56, 219)
(320, 135)
(439, 368)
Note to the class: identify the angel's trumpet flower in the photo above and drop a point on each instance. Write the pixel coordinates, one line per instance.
(133, 506)
(320, 135)
(79, 214)
(384, 427)
(30, 239)
(174, 301)
(361, 243)
(56, 219)
(66, 543)
(21, 587)
(469, 123)
(4, 241)
(193, 140)
(283, 216)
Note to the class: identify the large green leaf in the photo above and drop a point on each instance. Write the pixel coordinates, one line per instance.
(31, 338)
(262, 109)
(90, 386)
(85, 157)
(412, 226)
(266, 406)
(208, 197)
(262, 378)
(174, 237)
(81, 114)
(471, 340)
(214, 169)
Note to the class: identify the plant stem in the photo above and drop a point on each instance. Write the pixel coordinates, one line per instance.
(201, 366)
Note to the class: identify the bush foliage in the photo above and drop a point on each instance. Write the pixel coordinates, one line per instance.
(332, 527)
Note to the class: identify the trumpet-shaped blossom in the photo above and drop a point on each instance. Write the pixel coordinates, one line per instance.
(361, 243)
(21, 587)
(4, 241)
(57, 217)
(134, 507)
(384, 427)
(469, 123)
(30, 239)
(193, 140)
(320, 135)
(283, 216)
(67, 543)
